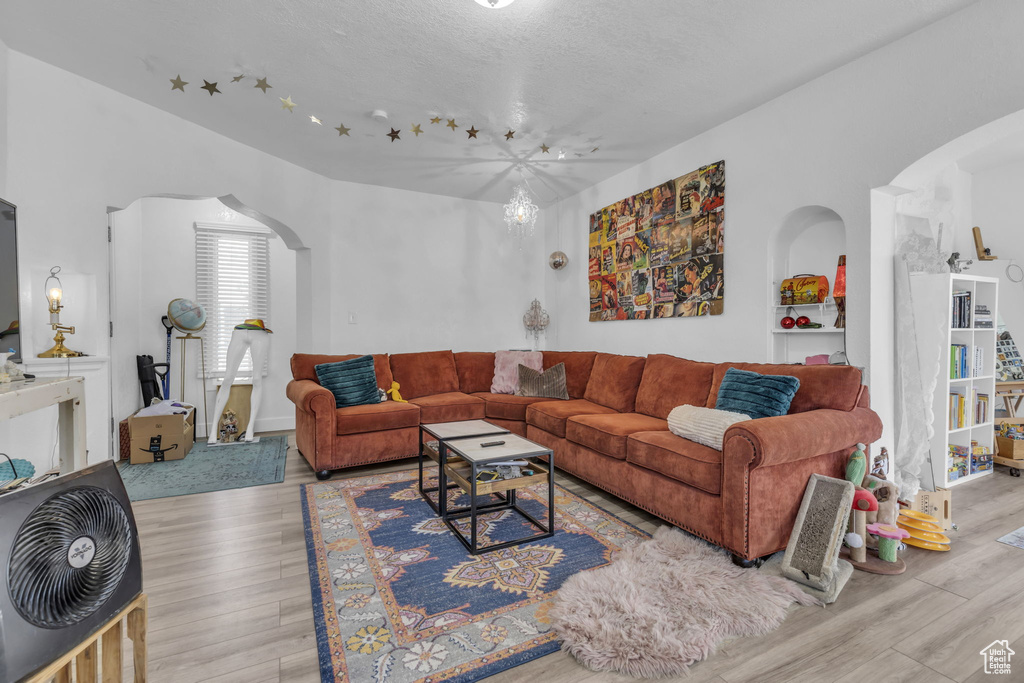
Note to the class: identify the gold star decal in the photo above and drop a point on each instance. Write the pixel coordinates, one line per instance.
(237, 78)
(262, 84)
(510, 134)
(210, 87)
(594, 150)
(286, 103)
(342, 130)
(451, 124)
(394, 135)
(544, 148)
(472, 132)
(436, 119)
(178, 84)
(416, 129)
(316, 120)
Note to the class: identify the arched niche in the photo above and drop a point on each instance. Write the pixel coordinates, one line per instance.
(809, 239)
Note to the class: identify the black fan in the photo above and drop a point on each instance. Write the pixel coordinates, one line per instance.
(72, 561)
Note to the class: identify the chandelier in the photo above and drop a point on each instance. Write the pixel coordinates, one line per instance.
(521, 212)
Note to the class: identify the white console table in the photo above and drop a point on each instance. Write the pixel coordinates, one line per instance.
(68, 394)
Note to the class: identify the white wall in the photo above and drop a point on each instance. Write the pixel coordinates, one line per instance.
(3, 120)
(425, 272)
(154, 262)
(996, 209)
(826, 143)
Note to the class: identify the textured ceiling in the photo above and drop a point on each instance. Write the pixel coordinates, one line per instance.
(631, 78)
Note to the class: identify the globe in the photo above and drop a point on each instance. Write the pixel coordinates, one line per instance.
(187, 316)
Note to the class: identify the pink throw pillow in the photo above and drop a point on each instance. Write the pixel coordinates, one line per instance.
(506, 369)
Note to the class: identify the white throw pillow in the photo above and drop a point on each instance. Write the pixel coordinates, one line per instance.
(703, 425)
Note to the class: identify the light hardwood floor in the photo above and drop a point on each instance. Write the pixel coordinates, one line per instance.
(230, 599)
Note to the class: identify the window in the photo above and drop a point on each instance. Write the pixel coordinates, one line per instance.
(232, 285)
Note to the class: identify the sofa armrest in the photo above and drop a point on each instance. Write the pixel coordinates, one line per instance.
(310, 397)
(787, 438)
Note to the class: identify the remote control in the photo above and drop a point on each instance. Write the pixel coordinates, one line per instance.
(491, 443)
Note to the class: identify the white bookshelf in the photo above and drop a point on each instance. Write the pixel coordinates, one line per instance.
(794, 344)
(933, 297)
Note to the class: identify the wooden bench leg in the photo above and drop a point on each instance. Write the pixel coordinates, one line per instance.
(111, 654)
(64, 675)
(137, 619)
(85, 665)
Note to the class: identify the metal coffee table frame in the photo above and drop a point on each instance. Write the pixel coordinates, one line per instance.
(435, 430)
(473, 488)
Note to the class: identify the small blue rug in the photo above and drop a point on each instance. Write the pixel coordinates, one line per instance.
(209, 468)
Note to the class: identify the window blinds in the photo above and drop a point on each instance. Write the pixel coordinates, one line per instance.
(232, 285)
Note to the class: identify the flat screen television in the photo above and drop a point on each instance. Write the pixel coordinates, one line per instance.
(10, 338)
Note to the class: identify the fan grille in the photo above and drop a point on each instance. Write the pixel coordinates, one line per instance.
(47, 590)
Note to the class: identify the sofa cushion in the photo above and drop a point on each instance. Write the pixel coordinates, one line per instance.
(678, 458)
(607, 434)
(614, 381)
(506, 369)
(669, 382)
(424, 374)
(304, 366)
(475, 370)
(374, 417)
(836, 387)
(507, 406)
(449, 407)
(351, 381)
(547, 384)
(756, 395)
(578, 365)
(551, 415)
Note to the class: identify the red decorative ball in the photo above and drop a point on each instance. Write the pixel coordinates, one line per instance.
(802, 320)
(787, 323)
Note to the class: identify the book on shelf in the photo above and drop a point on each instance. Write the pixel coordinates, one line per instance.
(957, 410)
(961, 309)
(980, 408)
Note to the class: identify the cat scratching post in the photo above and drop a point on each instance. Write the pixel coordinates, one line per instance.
(812, 555)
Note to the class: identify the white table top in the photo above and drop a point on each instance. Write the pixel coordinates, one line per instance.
(463, 429)
(514, 447)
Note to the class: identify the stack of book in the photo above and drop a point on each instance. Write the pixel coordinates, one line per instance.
(982, 317)
(980, 408)
(958, 368)
(961, 309)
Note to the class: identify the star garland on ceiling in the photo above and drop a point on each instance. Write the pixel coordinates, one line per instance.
(472, 133)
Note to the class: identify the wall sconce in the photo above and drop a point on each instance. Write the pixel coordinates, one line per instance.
(54, 295)
(535, 320)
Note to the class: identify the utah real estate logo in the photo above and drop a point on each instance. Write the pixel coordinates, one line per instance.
(997, 657)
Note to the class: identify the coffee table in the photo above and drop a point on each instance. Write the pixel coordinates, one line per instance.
(471, 456)
(445, 432)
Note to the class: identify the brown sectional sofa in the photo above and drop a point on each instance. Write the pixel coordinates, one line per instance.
(612, 432)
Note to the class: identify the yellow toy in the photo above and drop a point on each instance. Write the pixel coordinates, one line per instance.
(393, 392)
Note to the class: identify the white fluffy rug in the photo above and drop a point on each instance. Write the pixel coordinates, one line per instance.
(664, 604)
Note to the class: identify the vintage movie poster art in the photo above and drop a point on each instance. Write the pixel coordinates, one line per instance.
(660, 253)
(687, 195)
(644, 211)
(608, 259)
(680, 241)
(595, 294)
(627, 251)
(712, 187)
(642, 245)
(663, 199)
(609, 295)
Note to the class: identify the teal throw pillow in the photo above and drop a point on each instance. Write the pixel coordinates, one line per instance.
(353, 382)
(756, 395)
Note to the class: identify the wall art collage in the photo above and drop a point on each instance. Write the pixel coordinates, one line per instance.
(659, 253)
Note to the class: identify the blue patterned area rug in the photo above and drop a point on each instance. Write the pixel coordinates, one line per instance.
(209, 468)
(397, 598)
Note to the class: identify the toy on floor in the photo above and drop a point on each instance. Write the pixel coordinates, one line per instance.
(887, 495)
(889, 537)
(857, 466)
(228, 431)
(924, 531)
(393, 392)
(863, 503)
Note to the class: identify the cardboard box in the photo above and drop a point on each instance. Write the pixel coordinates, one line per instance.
(161, 437)
(936, 503)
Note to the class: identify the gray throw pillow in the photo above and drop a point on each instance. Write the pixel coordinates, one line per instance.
(547, 384)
